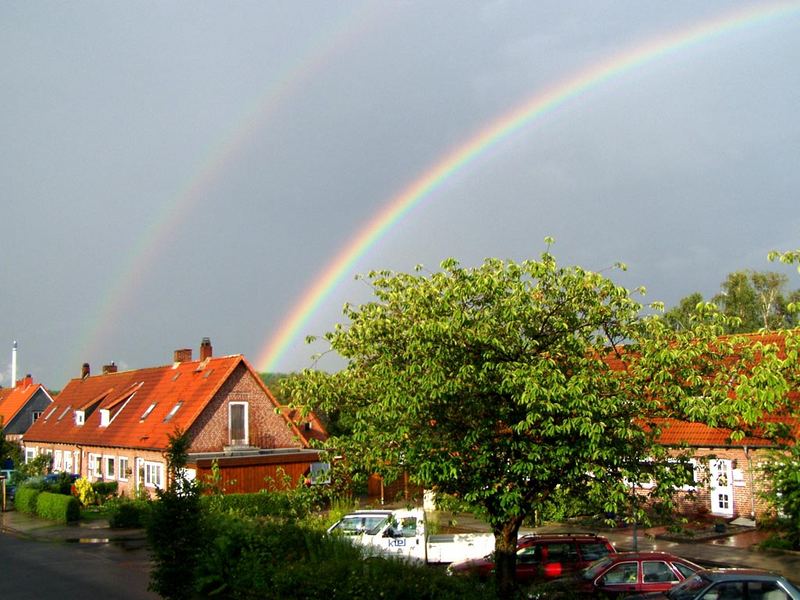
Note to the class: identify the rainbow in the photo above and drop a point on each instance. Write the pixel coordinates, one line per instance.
(495, 133)
(229, 145)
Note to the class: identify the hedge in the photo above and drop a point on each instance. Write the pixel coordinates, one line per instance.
(25, 499)
(261, 504)
(58, 507)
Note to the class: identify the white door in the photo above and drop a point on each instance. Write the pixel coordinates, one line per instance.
(721, 472)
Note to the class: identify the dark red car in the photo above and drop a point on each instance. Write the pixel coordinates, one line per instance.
(629, 573)
(542, 557)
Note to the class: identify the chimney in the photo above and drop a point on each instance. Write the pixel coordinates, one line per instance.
(182, 355)
(14, 364)
(85, 371)
(110, 368)
(27, 381)
(205, 349)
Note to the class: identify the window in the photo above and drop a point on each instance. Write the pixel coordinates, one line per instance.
(35, 415)
(57, 460)
(110, 467)
(658, 571)
(153, 474)
(66, 410)
(148, 411)
(67, 461)
(50, 414)
(123, 468)
(80, 417)
(237, 423)
(30, 454)
(319, 472)
(172, 412)
(95, 466)
(593, 550)
(621, 573)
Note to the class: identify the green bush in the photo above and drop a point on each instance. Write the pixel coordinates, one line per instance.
(104, 490)
(127, 514)
(58, 507)
(261, 504)
(25, 499)
(249, 558)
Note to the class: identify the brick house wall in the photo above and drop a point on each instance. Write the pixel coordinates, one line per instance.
(744, 489)
(266, 429)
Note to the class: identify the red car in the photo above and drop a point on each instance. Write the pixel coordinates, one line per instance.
(542, 557)
(634, 573)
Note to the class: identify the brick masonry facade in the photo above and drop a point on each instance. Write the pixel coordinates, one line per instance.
(729, 483)
(266, 428)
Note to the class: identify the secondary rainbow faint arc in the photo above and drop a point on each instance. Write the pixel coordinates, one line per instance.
(491, 135)
(150, 245)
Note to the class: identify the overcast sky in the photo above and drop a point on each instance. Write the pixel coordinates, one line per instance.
(175, 170)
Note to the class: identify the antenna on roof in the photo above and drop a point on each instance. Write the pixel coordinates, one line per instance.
(14, 365)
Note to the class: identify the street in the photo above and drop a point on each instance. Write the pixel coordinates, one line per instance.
(35, 569)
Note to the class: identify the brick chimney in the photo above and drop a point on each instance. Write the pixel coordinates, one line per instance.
(110, 368)
(25, 381)
(205, 349)
(85, 371)
(182, 355)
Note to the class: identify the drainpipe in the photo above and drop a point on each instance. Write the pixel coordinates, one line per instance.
(752, 484)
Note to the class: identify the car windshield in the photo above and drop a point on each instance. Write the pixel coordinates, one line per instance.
(688, 588)
(597, 567)
(358, 524)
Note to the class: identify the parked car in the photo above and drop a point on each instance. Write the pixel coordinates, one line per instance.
(730, 584)
(542, 557)
(629, 573)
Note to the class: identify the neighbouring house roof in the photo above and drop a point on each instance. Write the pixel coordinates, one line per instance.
(13, 400)
(140, 408)
(699, 435)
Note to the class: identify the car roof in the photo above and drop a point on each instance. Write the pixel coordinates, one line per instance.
(738, 573)
(646, 555)
(548, 537)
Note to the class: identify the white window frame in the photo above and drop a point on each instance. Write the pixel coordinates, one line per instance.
(30, 453)
(57, 466)
(153, 474)
(95, 466)
(122, 468)
(110, 473)
(67, 461)
(246, 406)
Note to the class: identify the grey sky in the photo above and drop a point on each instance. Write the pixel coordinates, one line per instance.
(174, 170)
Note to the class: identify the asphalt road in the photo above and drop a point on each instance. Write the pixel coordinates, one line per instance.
(40, 569)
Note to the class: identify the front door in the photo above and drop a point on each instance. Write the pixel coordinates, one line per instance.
(721, 472)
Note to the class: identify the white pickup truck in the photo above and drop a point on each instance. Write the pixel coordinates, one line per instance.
(402, 533)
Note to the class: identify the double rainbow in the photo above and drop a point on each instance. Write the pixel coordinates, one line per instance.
(495, 133)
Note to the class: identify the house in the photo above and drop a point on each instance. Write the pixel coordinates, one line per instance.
(728, 474)
(21, 405)
(116, 426)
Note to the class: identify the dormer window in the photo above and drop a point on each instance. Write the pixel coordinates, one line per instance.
(148, 411)
(105, 417)
(80, 417)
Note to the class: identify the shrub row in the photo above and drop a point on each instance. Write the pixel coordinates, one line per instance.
(55, 507)
(246, 558)
(58, 507)
(263, 504)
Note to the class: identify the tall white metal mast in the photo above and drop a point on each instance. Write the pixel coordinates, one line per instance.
(14, 365)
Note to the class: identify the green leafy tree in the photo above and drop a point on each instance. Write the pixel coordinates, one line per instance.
(174, 527)
(685, 314)
(511, 384)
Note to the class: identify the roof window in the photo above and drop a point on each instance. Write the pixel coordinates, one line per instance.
(64, 414)
(172, 412)
(50, 414)
(148, 411)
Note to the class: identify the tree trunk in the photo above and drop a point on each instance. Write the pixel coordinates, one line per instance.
(505, 557)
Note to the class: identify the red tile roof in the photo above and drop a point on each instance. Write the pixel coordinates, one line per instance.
(12, 400)
(698, 435)
(139, 404)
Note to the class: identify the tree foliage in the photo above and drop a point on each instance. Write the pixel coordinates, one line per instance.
(511, 384)
(753, 300)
